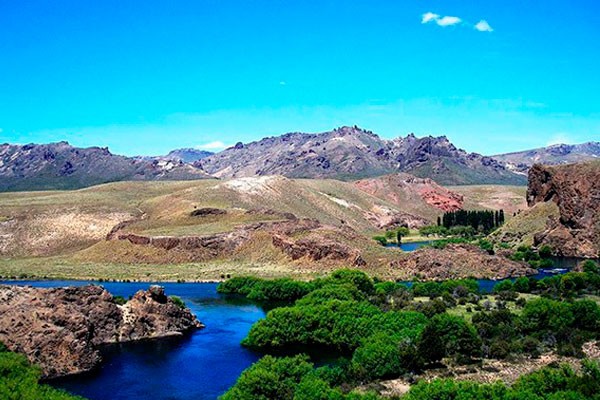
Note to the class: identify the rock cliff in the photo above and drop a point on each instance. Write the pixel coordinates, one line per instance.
(575, 188)
(60, 329)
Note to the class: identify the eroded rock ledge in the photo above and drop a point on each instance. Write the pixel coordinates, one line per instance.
(60, 329)
(459, 261)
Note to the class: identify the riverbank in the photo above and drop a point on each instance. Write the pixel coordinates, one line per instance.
(62, 268)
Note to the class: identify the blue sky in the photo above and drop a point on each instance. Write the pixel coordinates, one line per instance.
(148, 76)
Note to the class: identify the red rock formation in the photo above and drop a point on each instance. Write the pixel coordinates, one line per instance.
(400, 188)
(60, 329)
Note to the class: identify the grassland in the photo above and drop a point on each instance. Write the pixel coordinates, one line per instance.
(61, 234)
(67, 268)
(509, 198)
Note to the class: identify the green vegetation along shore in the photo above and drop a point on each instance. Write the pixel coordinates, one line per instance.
(20, 381)
(384, 330)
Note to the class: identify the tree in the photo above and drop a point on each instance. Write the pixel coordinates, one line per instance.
(402, 231)
(270, 378)
(449, 336)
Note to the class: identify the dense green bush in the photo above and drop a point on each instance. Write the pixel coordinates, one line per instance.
(385, 355)
(338, 325)
(342, 291)
(287, 378)
(20, 381)
(270, 378)
(382, 240)
(239, 285)
(449, 336)
(359, 279)
(285, 289)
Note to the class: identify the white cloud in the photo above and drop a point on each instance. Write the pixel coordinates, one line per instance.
(429, 16)
(483, 26)
(448, 21)
(283, 83)
(216, 145)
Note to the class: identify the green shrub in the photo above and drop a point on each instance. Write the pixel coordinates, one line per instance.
(545, 251)
(20, 381)
(590, 267)
(449, 336)
(178, 302)
(239, 285)
(382, 240)
(504, 286)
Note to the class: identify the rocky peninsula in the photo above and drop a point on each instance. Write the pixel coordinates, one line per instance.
(61, 329)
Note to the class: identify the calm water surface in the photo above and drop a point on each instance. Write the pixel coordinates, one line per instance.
(409, 246)
(202, 365)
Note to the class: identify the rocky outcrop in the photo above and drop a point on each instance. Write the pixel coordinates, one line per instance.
(61, 329)
(207, 247)
(575, 189)
(396, 220)
(317, 249)
(459, 261)
(221, 244)
(299, 239)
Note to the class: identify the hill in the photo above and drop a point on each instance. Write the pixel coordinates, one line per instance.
(59, 222)
(353, 153)
(521, 161)
(423, 194)
(62, 166)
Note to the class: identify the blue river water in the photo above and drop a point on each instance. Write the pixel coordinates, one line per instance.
(200, 366)
(409, 246)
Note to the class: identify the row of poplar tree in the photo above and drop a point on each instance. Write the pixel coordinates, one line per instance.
(479, 220)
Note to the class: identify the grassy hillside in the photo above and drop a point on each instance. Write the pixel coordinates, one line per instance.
(62, 233)
(509, 198)
(522, 228)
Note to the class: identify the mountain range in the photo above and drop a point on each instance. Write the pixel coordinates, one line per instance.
(346, 153)
(551, 155)
(351, 153)
(62, 166)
